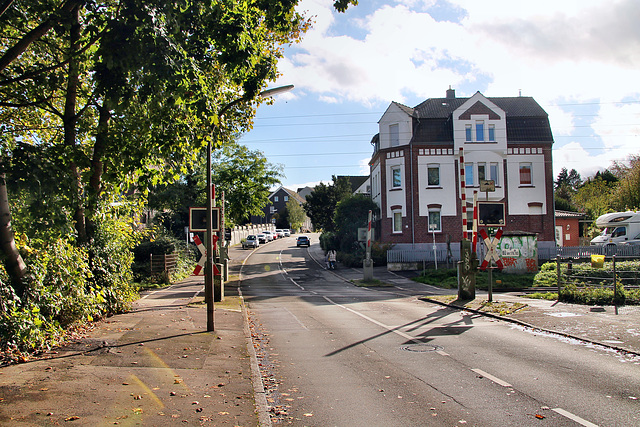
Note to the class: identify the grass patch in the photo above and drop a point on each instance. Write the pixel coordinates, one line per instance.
(551, 296)
(500, 308)
(448, 279)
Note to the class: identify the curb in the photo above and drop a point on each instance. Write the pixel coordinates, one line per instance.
(530, 326)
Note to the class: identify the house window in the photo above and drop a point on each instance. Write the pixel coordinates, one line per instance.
(272, 209)
(397, 222)
(275, 198)
(434, 220)
(467, 133)
(394, 135)
(468, 174)
(479, 131)
(396, 178)
(482, 168)
(525, 174)
(493, 171)
(492, 133)
(433, 175)
(286, 198)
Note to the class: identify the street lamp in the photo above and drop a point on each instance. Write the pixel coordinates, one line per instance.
(208, 267)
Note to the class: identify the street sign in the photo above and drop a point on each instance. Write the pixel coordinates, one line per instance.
(492, 249)
(487, 185)
(203, 258)
(198, 219)
(491, 214)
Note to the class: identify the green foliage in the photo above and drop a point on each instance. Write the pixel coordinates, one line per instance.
(159, 241)
(321, 204)
(352, 213)
(592, 295)
(294, 215)
(448, 278)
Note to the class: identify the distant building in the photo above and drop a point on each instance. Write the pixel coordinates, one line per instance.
(416, 169)
(278, 200)
(568, 228)
(359, 184)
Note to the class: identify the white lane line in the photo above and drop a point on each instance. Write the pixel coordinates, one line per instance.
(573, 417)
(492, 378)
(374, 321)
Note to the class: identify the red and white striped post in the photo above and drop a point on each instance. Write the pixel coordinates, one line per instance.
(475, 221)
(369, 237)
(463, 195)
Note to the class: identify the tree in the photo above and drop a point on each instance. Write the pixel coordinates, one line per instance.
(321, 204)
(352, 213)
(113, 119)
(294, 215)
(566, 186)
(626, 195)
(243, 175)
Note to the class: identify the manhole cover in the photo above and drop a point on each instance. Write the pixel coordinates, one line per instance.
(421, 348)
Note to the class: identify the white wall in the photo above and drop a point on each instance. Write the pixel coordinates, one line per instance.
(395, 115)
(521, 196)
(445, 195)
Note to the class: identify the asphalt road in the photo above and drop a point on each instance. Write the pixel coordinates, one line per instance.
(333, 353)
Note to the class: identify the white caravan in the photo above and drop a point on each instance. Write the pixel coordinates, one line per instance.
(618, 228)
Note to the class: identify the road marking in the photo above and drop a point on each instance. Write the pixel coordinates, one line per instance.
(573, 417)
(492, 378)
(374, 321)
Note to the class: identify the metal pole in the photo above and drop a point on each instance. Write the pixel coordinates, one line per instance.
(491, 282)
(558, 275)
(615, 286)
(435, 255)
(208, 267)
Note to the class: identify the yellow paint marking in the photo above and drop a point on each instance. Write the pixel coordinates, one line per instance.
(148, 391)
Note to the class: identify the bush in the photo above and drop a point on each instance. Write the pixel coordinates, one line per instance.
(159, 241)
(592, 296)
(448, 278)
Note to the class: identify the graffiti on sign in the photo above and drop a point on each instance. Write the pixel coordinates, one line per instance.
(520, 253)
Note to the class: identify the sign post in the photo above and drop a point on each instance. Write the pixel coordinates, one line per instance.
(491, 256)
(367, 264)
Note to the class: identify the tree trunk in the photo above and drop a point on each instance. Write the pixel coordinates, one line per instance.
(70, 121)
(97, 167)
(13, 262)
(18, 49)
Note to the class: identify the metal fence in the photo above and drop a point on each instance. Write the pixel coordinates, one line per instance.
(544, 254)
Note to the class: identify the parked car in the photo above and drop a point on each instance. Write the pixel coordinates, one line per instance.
(262, 238)
(251, 242)
(286, 232)
(303, 241)
(270, 236)
(280, 233)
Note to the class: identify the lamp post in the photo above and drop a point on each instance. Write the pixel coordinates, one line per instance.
(208, 267)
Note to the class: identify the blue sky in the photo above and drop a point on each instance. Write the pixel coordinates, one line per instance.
(580, 59)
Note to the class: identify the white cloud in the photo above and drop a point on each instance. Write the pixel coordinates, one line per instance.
(554, 51)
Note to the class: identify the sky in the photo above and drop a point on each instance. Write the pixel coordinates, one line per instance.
(579, 59)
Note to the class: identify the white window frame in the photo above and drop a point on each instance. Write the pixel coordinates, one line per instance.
(394, 170)
(431, 166)
(521, 167)
(492, 132)
(479, 130)
(468, 134)
(396, 218)
(275, 199)
(286, 198)
(482, 166)
(394, 135)
(468, 175)
(494, 173)
(439, 222)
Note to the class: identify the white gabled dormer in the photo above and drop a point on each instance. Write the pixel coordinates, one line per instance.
(479, 124)
(396, 126)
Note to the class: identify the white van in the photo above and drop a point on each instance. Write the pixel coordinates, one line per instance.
(618, 228)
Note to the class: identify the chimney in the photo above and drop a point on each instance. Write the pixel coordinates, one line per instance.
(451, 93)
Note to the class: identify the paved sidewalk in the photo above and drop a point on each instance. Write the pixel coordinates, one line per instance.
(155, 366)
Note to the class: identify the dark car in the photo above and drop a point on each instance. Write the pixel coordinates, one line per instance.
(303, 241)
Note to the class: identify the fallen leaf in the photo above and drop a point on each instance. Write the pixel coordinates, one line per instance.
(540, 417)
(223, 413)
(72, 418)
(308, 415)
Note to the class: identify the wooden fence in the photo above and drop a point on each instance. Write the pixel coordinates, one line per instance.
(163, 264)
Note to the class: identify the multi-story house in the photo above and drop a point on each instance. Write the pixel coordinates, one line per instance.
(278, 200)
(429, 160)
